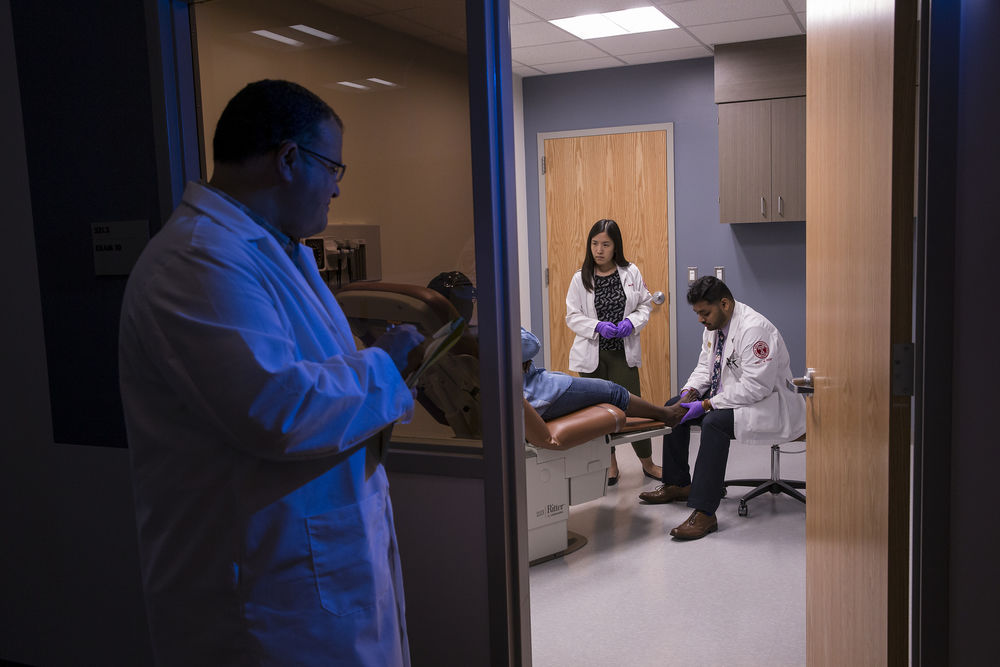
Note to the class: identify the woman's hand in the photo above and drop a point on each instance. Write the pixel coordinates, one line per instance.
(624, 328)
(606, 330)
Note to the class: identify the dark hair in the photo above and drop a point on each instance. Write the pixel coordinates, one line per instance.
(458, 289)
(709, 289)
(587, 270)
(263, 115)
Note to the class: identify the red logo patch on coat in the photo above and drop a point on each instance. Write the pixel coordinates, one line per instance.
(760, 349)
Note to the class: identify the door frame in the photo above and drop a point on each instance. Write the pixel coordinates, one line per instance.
(543, 234)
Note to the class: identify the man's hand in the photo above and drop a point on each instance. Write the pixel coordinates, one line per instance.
(675, 413)
(624, 328)
(695, 409)
(606, 330)
(399, 342)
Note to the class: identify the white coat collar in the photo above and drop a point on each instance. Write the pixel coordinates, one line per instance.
(207, 201)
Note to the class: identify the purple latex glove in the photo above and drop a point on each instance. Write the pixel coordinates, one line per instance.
(624, 328)
(399, 341)
(606, 330)
(695, 409)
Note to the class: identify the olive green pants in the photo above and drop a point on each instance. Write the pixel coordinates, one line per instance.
(611, 365)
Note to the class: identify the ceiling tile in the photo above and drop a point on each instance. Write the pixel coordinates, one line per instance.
(560, 9)
(355, 7)
(660, 40)
(670, 54)
(701, 12)
(555, 53)
(742, 31)
(580, 65)
(798, 6)
(395, 5)
(446, 18)
(540, 32)
(519, 15)
(524, 70)
(403, 25)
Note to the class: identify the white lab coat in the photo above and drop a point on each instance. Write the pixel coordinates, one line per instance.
(581, 317)
(754, 369)
(262, 540)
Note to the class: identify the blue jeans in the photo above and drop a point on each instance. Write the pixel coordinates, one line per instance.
(713, 454)
(583, 392)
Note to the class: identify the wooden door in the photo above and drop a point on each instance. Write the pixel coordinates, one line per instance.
(622, 177)
(860, 113)
(745, 161)
(788, 158)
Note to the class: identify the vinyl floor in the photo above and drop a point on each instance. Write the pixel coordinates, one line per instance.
(635, 596)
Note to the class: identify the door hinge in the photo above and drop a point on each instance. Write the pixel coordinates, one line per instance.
(543, 165)
(546, 277)
(902, 369)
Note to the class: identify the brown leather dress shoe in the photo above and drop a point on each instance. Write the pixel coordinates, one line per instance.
(665, 493)
(697, 526)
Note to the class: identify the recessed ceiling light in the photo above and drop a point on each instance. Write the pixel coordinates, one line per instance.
(315, 33)
(641, 19)
(608, 24)
(589, 26)
(381, 81)
(351, 84)
(278, 38)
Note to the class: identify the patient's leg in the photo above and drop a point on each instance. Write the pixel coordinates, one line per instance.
(637, 407)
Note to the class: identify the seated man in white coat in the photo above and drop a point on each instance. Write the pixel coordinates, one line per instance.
(737, 391)
(265, 527)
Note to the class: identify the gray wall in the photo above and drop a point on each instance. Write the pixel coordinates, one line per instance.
(765, 263)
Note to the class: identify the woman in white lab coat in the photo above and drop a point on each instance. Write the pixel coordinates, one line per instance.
(607, 305)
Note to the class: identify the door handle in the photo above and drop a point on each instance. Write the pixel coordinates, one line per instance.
(763, 210)
(804, 384)
(658, 298)
(781, 207)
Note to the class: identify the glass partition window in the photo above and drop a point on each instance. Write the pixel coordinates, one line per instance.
(399, 242)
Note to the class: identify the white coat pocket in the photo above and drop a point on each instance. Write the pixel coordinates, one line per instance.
(349, 556)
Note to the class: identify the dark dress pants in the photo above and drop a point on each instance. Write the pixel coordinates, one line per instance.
(710, 468)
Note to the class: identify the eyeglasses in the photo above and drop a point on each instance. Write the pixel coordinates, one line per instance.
(335, 168)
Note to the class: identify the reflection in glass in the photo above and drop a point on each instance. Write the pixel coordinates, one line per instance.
(399, 243)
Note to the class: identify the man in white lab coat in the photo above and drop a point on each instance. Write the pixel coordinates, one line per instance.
(737, 391)
(265, 527)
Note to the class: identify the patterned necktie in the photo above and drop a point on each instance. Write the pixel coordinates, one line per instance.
(717, 368)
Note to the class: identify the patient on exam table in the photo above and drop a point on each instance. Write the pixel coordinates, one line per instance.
(553, 394)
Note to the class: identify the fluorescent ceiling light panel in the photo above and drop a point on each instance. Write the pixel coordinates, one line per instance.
(315, 33)
(641, 19)
(589, 26)
(278, 38)
(351, 84)
(382, 82)
(609, 24)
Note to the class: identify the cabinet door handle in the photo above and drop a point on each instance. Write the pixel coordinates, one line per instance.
(762, 213)
(781, 208)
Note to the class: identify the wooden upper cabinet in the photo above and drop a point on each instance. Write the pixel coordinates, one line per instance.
(744, 161)
(762, 160)
(760, 89)
(788, 158)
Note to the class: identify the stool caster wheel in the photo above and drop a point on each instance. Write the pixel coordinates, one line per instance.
(742, 510)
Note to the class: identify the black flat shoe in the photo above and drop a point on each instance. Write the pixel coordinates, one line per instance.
(658, 479)
(614, 480)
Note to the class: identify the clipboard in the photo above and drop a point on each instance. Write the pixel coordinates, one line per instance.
(439, 343)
